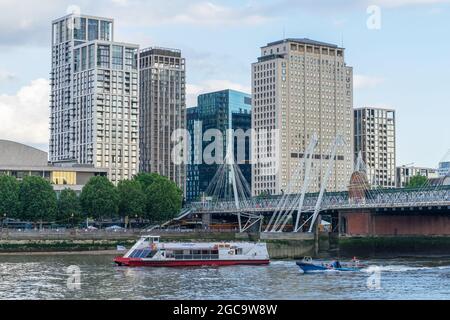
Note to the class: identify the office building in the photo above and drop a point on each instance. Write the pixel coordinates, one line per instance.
(375, 140)
(94, 97)
(225, 111)
(192, 173)
(444, 166)
(162, 111)
(300, 87)
(405, 173)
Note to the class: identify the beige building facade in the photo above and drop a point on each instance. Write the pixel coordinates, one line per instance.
(301, 87)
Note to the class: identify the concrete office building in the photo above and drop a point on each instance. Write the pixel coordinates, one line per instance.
(162, 110)
(94, 96)
(375, 140)
(405, 173)
(19, 160)
(301, 87)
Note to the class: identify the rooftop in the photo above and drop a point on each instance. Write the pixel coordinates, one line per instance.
(161, 51)
(74, 14)
(303, 41)
(375, 108)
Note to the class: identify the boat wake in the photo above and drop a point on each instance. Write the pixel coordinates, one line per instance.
(400, 268)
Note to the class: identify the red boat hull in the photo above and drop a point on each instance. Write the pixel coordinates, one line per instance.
(130, 262)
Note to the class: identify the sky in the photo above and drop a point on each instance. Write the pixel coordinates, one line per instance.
(399, 49)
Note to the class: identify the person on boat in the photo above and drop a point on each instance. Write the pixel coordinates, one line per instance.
(336, 264)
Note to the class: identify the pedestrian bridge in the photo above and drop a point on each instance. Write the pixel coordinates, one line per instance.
(394, 198)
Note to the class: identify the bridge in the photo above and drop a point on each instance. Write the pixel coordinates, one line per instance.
(298, 210)
(394, 198)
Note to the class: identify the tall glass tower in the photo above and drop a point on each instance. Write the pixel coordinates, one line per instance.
(223, 110)
(94, 96)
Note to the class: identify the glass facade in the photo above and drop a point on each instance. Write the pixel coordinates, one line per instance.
(64, 177)
(192, 176)
(222, 110)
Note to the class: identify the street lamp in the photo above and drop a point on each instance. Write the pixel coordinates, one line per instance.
(3, 221)
(72, 221)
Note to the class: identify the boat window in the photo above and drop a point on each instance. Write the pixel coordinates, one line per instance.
(144, 253)
(135, 253)
(156, 240)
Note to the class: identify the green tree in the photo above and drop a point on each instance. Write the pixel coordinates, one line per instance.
(147, 179)
(132, 200)
(37, 199)
(9, 197)
(417, 181)
(99, 199)
(263, 195)
(69, 208)
(163, 197)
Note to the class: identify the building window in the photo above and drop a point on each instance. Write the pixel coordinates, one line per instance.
(103, 56)
(117, 57)
(79, 32)
(92, 29)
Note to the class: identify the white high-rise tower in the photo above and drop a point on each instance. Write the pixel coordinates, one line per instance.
(94, 96)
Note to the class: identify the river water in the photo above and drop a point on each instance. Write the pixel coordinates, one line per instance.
(57, 277)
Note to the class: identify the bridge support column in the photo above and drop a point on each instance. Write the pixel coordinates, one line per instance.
(317, 234)
(206, 220)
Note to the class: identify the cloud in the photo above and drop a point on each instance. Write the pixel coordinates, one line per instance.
(404, 3)
(366, 82)
(25, 115)
(194, 90)
(213, 14)
(30, 22)
(6, 76)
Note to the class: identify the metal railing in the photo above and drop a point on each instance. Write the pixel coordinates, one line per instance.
(408, 198)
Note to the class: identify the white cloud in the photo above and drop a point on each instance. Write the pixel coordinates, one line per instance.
(6, 76)
(194, 90)
(30, 22)
(121, 2)
(366, 82)
(213, 14)
(403, 3)
(24, 117)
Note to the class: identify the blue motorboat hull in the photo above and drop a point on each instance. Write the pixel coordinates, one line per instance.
(309, 267)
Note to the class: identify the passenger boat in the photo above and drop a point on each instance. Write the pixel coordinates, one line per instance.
(150, 252)
(307, 266)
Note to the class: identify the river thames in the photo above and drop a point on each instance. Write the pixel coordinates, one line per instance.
(82, 276)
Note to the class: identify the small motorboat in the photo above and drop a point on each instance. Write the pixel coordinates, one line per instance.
(307, 266)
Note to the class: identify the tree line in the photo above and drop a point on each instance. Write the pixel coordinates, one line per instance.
(148, 196)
